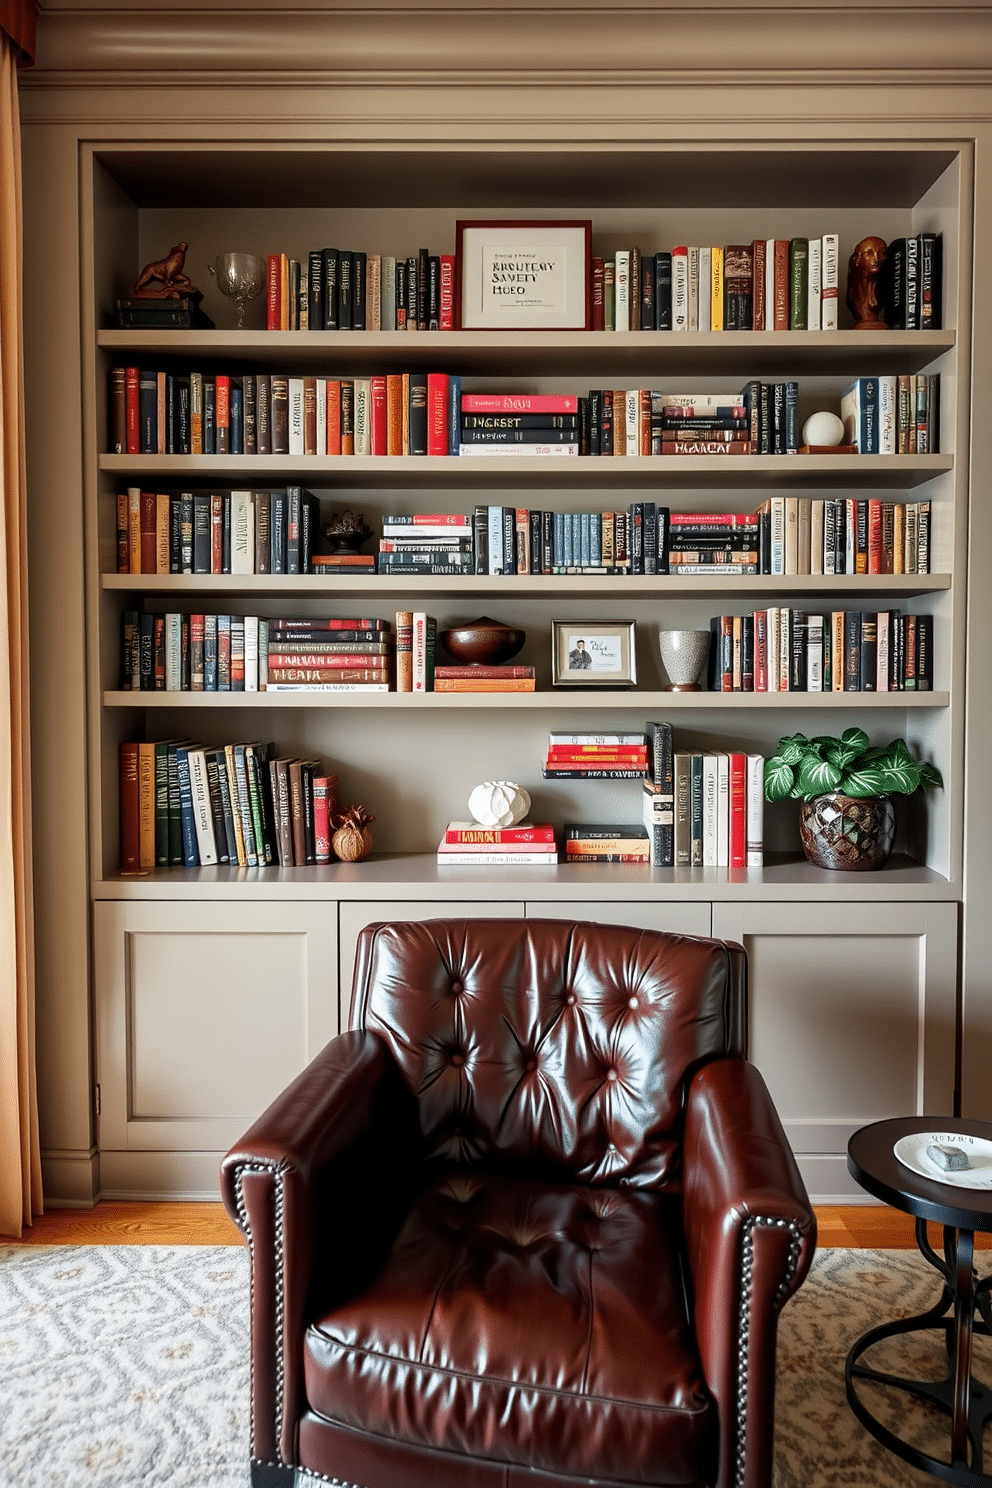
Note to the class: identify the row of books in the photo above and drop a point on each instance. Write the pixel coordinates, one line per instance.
(781, 649)
(773, 284)
(186, 806)
(591, 756)
(893, 415)
(702, 810)
(785, 535)
(218, 532)
(250, 653)
(469, 845)
(340, 289)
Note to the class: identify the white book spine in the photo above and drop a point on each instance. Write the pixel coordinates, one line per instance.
(816, 516)
(769, 284)
(829, 301)
(705, 289)
(363, 423)
(778, 534)
(722, 810)
(498, 860)
(814, 285)
(373, 295)
(882, 651)
(772, 643)
(680, 290)
(850, 534)
(251, 653)
(321, 415)
(755, 812)
(709, 810)
(242, 532)
(202, 816)
(514, 451)
(791, 535)
(632, 408)
(887, 403)
(695, 285)
(173, 653)
(495, 543)
(295, 415)
(814, 653)
(622, 300)
(783, 648)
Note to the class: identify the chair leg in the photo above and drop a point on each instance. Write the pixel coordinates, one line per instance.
(269, 1475)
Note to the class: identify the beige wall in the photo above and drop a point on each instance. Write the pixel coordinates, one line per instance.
(462, 74)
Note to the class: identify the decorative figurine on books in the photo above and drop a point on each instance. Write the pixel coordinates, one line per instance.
(164, 279)
(864, 271)
(498, 803)
(346, 532)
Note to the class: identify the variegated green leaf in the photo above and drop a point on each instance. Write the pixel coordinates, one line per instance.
(900, 780)
(930, 775)
(898, 752)
(816, 776)
(778, 778)
(868, 781)
(792, 748)
(857, 738)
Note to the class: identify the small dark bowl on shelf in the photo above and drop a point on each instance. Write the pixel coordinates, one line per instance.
(482, 642)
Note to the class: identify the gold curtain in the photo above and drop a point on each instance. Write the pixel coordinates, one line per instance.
(20, 1159)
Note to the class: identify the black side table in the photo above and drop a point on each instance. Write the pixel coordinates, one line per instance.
(962, 1212)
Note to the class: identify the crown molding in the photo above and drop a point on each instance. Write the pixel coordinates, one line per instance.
(458, 45)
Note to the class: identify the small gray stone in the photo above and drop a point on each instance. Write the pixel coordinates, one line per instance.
(951, 1159)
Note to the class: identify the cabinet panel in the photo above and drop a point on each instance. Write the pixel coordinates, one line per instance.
(852, 1019)
(354, 918)
(203, 1015)
(678, 919)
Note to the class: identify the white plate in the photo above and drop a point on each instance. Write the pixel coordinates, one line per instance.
(912, 1153)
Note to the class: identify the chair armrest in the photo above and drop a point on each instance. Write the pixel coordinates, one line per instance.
(303, 1170)
(750, 1237)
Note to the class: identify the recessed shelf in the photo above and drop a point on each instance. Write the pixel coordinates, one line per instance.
(549, 701)
(845, 472)
(387, 876)
(740, 354)
(591, 586)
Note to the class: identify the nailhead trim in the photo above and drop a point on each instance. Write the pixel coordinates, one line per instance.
(316, 1477)
(744, 1317)
(276, 1171)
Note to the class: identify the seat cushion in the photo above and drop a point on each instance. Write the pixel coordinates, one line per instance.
(525, 1324)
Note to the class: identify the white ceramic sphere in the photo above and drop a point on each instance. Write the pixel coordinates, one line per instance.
(823, 428)
(498, 803)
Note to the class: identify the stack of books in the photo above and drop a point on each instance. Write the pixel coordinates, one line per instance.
(426, 543)
(339, 289)
(607, 843)
(469, 845)
(519, 424)
(713, 543)
(416, 645)
(702, 424)
(484, 679)
(593, 756)
(330, 655)
(719, 810)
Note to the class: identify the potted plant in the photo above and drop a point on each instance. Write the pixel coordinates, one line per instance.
(847, 819)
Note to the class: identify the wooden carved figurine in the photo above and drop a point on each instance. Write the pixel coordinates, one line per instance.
(165, 279)
(864, 272)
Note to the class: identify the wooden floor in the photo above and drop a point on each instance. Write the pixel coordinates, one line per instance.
(207, 1224)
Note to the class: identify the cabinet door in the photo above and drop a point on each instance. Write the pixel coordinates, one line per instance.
(354, 918)
(688, 918)
(204, 1013)
(852, 1019)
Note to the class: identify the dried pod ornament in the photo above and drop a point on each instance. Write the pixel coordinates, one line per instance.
(353, 841)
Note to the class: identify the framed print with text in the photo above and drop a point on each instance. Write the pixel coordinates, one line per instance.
(527, 276)
(593, 653)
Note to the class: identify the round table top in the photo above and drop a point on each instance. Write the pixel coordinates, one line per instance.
(872, 1162)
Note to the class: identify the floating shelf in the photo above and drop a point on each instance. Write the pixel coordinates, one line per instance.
(552, 702)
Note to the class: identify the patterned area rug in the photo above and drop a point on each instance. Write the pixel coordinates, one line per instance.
(127, 1367)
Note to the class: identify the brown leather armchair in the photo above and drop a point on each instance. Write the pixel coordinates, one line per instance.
(530, 1222)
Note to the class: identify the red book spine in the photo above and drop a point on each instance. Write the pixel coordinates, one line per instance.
(304, 658)
(876, 559)
(520, 403)
(781, 307)
(437, 413)
(216, 534)
(644, 420)
(130, 849)
(131, 380)
(311, 623)
(378, 425)
(274, 285)
(561, 754)
(597, 294)
(149, 531)
(738, 811)
(325, 807)
(504, 836)
(222, 414)
(446, 320)
(333, 416)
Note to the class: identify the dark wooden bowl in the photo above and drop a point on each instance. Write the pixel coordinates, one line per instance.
(482, 642)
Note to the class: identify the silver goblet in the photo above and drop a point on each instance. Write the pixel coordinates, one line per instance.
(240, 276)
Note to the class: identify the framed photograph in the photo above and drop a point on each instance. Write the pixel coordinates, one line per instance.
(524, 276)
(593, 653)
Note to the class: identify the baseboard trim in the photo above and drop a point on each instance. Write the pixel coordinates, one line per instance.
(70, 1177)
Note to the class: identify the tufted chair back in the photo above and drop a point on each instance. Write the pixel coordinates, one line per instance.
(542, 1045)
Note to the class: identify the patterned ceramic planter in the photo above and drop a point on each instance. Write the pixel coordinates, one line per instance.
(851, 832)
